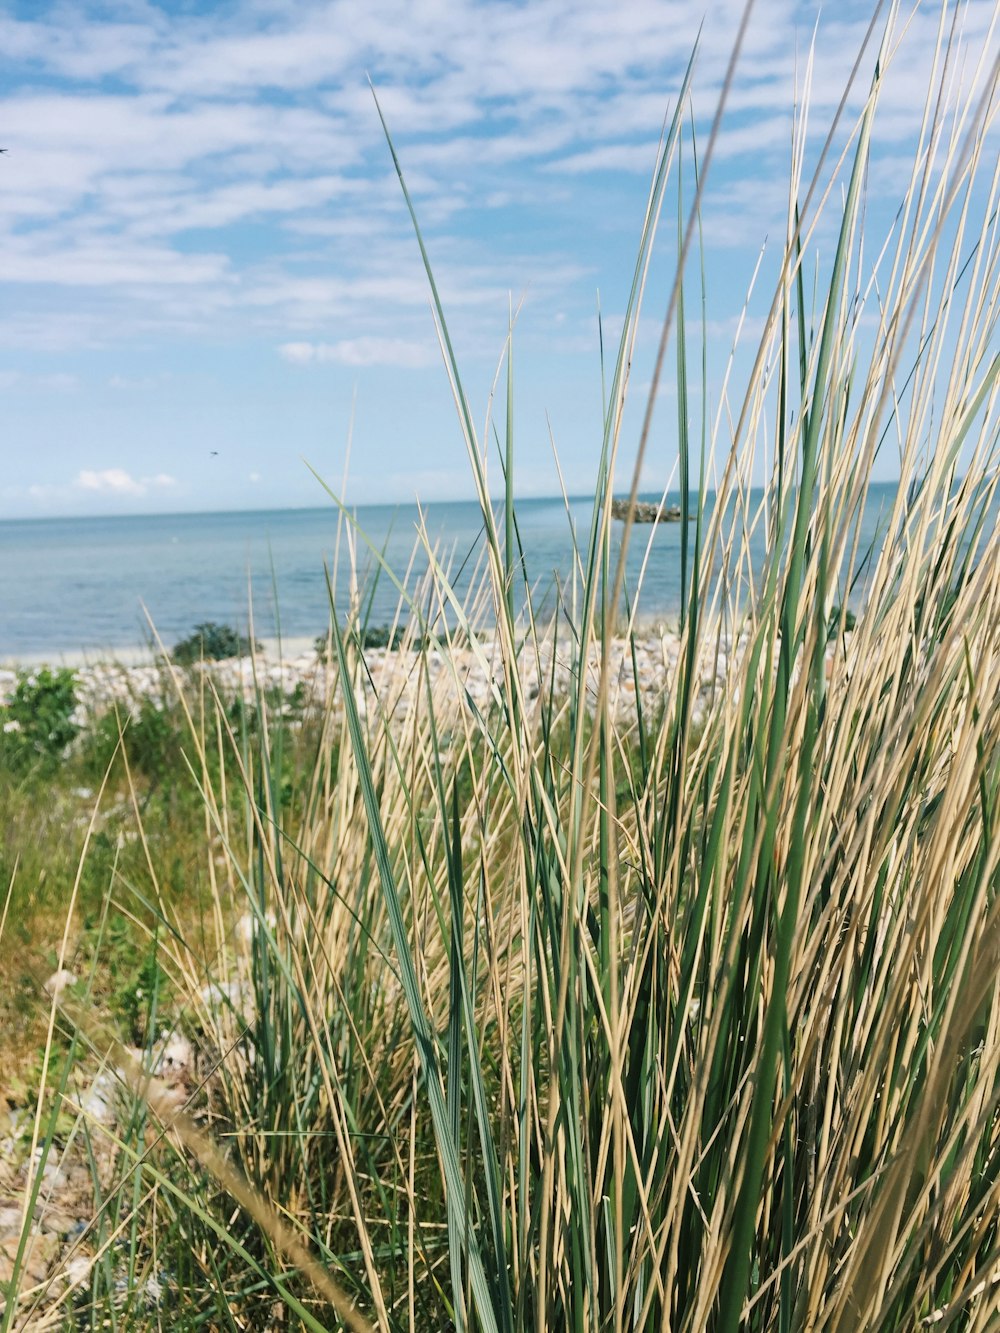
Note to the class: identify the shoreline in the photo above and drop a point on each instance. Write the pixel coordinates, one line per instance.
(296, 680)
(394, 676)
(273, 650)
(139, 655)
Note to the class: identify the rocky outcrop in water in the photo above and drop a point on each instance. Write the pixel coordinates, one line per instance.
(645, 512)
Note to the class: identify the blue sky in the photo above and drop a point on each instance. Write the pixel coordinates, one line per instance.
(206, 266)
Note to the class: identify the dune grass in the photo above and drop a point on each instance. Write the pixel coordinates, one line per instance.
(570, 1014)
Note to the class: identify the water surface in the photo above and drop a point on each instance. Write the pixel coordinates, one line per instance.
(73, 585)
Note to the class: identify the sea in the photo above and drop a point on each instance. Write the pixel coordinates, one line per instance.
(101, 586)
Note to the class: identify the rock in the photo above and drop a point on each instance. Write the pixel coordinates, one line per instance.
(247, 924)
(57, 1222)
(176, 1059)
(58, 981)
(224, 995)
(152, 1290)
(78, 1269)
(99, 1101)
(39, 1254)
(52, 1172)
(644, 512)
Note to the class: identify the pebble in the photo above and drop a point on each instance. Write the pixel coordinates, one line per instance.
(176, 1058)
(78, 1269)
(57, 1222)
(98, 1103)
(230, 995)
(59, 981)
(247, 924)
(39, 1254)
(52, 1172)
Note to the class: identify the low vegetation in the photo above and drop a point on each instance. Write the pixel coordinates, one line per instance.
(211, 642)
(549, 1016)
(38, 722)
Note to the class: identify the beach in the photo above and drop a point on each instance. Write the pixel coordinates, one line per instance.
(641, 667)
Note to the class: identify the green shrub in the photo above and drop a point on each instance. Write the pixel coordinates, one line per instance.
(152, 740)
(833, 628)
(38, 723)
(138, 982)
(372, 636)
(381, 636)
(211, 642)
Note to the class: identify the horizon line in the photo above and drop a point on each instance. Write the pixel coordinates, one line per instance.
(414, 503)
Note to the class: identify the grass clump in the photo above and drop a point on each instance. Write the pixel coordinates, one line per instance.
(545, 1009)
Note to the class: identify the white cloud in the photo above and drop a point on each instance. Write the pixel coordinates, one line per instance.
(56, 381)
(299, 354)
(113, 479)
(366, 351)
(116, 481)
(135, 382)
(610, 157)
(175, 171)
(107, 262)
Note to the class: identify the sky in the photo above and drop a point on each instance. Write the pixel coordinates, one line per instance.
(209, 283)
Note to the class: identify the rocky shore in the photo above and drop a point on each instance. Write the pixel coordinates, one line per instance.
(643, 511)
(394, 676)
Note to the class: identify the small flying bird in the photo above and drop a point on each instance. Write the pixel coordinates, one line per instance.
(214, 453)
(3, 150)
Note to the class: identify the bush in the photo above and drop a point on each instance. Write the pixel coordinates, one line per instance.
(212, 643)
(833, 628)
(372, 636)
(381, 636)
(152, 740)
(38, 723)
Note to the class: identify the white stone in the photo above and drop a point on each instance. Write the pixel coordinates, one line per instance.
(99, 1101)
(176, 1057)
(78, 1269)
(223, 995)
(58, 981)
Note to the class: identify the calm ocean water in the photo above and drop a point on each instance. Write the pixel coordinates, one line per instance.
(80, 584)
